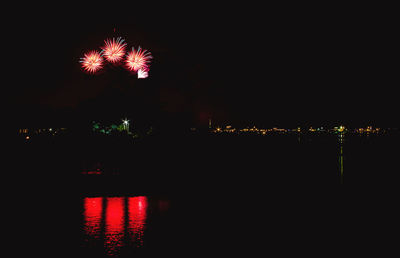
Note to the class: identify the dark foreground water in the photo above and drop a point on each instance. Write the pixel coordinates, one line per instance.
(204, 196)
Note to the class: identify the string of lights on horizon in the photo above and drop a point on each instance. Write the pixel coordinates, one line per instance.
(114, 51)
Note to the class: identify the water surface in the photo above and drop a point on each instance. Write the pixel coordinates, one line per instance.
(209, 197)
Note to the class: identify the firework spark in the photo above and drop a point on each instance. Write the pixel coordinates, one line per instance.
(142, 73)
(114, 50)
(92, 61)
(138, 60)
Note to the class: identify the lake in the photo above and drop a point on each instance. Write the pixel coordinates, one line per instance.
(204, 196)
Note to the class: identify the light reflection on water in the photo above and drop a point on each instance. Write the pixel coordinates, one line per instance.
(115, 222)
(341, 158)
(341, 138)
(93, 208)
(114, 226)
(137, 214)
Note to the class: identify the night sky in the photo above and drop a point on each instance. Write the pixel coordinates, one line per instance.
(268, 66)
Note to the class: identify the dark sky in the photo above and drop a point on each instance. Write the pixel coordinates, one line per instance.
(244, 65)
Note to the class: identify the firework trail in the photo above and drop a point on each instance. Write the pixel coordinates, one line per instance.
(114, 50)
(92, 61)
(138, 60)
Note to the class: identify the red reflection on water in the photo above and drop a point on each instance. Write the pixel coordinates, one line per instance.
(91, 172)
(93, 207)
(137, 215)
(120, 221)
(114, 224)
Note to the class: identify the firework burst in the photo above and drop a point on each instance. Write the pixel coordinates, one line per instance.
(114, 50)
(138, 60)
(92, 61)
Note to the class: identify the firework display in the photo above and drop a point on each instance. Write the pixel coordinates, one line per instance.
(114, 52)
(138, 60)
(92, 61)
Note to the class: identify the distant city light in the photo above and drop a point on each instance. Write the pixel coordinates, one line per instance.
(340, 131)
(319, 130)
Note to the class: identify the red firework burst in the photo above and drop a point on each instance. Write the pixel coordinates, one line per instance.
(114, 50)
(138, 60)
(92, 61)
